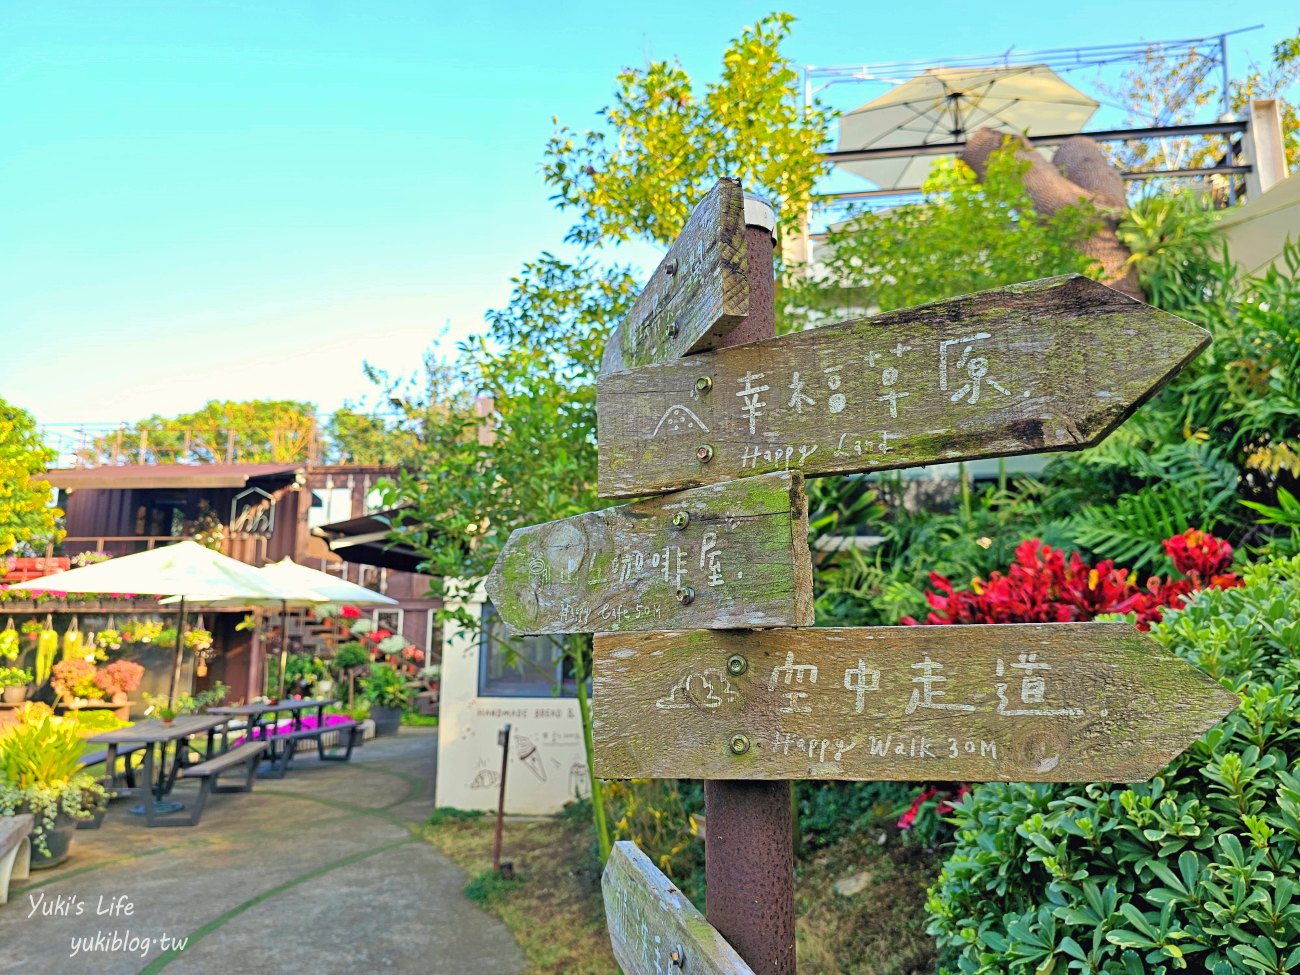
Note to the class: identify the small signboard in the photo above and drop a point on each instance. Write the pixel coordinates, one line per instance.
(653, 928)
(1054, 364)
(1054, 702)
(727, 555)
(252, 514)
(699, 292)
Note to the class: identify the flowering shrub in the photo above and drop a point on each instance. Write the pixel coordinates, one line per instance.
(1195, 870)
(121, 676)
(1044, 586)
(75, 678)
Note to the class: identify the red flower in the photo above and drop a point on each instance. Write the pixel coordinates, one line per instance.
(378, 635)
(350, 613)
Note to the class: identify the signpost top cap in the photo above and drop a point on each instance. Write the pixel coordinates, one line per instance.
(760, 213)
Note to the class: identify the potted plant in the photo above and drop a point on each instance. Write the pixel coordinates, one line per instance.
(74, 680)
(39, 759)
(162, 708)
(347, 659)
(385, 691)
(14, 681)
(119, 679)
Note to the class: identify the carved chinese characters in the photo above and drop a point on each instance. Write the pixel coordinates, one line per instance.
(723, 556)
(1052, 702)
(1042, 366)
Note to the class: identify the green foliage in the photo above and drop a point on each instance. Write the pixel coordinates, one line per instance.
(1175, 246)
(663, 146)
(489, 887)
(1197, 868)
(248, 432)
(14, 677)
(659, 816)
(829, 810)
(351, 655)
(39, 758)
(965, 235)
(28, 519)
(384, 688)
(450, 814)
(1285, 513)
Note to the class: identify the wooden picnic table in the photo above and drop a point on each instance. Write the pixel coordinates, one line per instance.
(159, 774)
(264, 716)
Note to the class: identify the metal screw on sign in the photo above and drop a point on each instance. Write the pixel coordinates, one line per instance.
(686, 595)
(739, 744)
(703, 384)
(704, 452)
(670, 267)
(673, 330)
(678, 958)
(681, 519)
(737, 665)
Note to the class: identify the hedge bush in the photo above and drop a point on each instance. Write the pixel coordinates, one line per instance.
(1196, 870)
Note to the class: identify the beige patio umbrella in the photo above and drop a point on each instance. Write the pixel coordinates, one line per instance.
(186, 571)
(944, 105)
(300, 586)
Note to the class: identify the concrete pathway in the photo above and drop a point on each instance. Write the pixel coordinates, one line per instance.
(318, 873)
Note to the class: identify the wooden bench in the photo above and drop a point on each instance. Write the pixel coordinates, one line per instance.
(345, 735)
(15, 850)
(248, 754)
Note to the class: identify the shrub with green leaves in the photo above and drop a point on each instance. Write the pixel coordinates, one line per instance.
(1196, 870)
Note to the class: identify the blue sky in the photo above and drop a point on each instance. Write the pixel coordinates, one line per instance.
(232, 199)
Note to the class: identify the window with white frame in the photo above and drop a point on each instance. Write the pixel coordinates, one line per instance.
(521, 666)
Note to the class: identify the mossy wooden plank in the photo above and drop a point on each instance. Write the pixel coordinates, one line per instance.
(727, 555)
(653, 927)
(1056, 702)
(699, 292)
(1054, 364)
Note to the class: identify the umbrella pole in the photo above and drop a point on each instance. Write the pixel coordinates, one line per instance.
(284, 642)
(180, 652)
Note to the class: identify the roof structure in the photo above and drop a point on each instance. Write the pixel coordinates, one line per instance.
(123, 476)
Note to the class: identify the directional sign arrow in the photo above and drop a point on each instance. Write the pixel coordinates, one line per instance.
(653, 926)
(699, 292)
(1054, 364)
(728, 555)
(1055, 702)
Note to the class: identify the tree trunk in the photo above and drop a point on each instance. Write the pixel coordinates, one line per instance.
(1078, 173)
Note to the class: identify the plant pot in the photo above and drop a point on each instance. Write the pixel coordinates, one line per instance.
(15, 695)
(58, 839)
(387, 720)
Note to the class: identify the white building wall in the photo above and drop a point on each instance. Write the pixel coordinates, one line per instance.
(547, 767)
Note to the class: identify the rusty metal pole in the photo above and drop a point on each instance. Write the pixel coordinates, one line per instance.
(748, 855)
(503, 739)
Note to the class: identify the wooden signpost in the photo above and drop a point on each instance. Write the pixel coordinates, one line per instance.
(1049, 702)
(1046, 365)
(728, 555)
(699, 292)
(698, 672)
(654, 927)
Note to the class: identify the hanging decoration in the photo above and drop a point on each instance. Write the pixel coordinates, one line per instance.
(199, 640)
(47, 644)
(72, 648)
(9, 641)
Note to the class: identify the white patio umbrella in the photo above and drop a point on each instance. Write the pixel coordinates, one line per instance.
(944, 105)
(186, 570)
(299, 586)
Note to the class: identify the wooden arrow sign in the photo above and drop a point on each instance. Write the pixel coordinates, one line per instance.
(728, 555)
(1056, 702)
(1046, 365)
(653, 928)
(699, 292)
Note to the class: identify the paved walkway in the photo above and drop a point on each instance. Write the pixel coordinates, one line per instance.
(317, 873)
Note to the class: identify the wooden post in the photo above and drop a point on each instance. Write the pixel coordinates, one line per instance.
(749, 857)
(1264, 148)
(503, 739)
